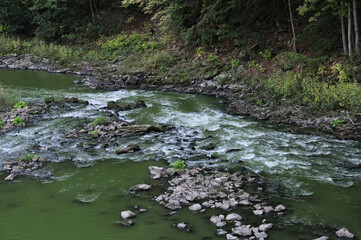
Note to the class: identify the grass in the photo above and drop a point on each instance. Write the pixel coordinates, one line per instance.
(6, 99)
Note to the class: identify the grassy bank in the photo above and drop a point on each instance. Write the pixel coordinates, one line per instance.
(323, 83)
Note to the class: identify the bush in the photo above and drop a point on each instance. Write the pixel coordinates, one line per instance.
(20, 104)
(161, 60)
(1, 123)
(178, 165)
(18, 121)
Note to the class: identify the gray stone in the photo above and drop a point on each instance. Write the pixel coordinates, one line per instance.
(258, 212)
(345, 233)
(221, 232)
(181, 225)
(195, 207)
(321, 238)
(280, 208)
(260, 235)
(127, 214)
(265, 227)
(10, 177)
(233, 217)
(243, 231)
(141, 187)
(221, 224)
(231, 237)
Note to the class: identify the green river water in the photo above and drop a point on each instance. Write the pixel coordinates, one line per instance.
(89, 189)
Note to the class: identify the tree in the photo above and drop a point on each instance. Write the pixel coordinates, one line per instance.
(292, 26)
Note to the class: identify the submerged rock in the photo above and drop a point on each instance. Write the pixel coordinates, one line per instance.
(322, 238)
(181, 225)
(141, 187)
(131, 148)
(10, 178)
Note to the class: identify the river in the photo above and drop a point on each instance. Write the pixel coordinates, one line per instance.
(89, 189)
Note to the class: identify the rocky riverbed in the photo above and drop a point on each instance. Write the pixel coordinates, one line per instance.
(107, 76)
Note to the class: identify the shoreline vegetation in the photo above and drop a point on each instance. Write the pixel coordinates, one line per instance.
(289, 89)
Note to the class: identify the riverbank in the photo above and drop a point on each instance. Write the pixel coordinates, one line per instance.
(107, 75)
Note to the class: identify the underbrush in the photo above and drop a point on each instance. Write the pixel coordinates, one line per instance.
(321, 85)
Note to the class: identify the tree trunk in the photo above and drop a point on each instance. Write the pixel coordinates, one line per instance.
(92, 11)
(349, 32)
(357, 36)
(344, 41)
(293, 26)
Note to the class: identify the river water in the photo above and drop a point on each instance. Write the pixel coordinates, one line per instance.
(89, 189)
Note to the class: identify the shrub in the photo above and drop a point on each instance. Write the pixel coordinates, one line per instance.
(1, 123)
(18, 121)
(162, 60)
(266, 54)
(20, 104)
(178, 165)
(101, 120)
(212, 58)
(235, 63)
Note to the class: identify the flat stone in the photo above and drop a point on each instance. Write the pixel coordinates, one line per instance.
(141, 187)
(127, 214)
(195, 207)
(345, 233)
(233, 217)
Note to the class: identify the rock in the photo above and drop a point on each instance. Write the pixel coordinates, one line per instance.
(233, 217)
(260, 235)
(344, 233)
(243, 231)
(265, 227)
(268, 209)
(221, 224)
(231, 237)
(216, 219)
(49, 100)
(321, 238)
(118, 107)
(140, 104)
(10, 178)
(140, 187)
(173, 205)
(280, 208)
(221, 232)
(127, 214)
(258, 212)
(129, 149)
(128, 223)
(195, 207)
(158, 172)
(181, 225)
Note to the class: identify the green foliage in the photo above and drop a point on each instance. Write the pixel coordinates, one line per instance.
(6, 99)
(94, 132)
(222, 80)
(1, 123)
(266, 54)
(337, 123)
(253, 63)
(235, 63)
(212, 57)
(101, 120)
(20, 104)
(200, 52)
(26, 157)
(18, 121)
(178, 165)
(161, 60)
(134, 42)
